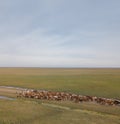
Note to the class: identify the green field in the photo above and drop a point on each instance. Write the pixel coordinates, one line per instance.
(93, 81)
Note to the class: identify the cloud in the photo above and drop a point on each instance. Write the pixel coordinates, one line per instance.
(53, 33)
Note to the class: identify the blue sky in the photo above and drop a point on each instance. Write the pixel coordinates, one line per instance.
(59, 33)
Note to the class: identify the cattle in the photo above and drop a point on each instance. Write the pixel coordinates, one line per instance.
(19, 93)
(58, 96)
(116, 102)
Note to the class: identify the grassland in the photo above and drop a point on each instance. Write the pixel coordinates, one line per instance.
(94, 82)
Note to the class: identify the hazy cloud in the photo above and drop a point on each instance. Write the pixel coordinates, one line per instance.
(58, 33)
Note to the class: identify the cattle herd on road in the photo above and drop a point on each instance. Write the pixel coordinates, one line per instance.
(63, 96)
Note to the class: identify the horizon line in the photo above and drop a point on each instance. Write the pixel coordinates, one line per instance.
(59, 67)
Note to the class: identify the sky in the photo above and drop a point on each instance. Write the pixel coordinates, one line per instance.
(59, 33)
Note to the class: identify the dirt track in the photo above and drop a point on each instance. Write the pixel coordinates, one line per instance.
(8, 90)
(58, 96)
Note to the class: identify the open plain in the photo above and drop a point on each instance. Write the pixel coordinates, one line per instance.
(102, 82)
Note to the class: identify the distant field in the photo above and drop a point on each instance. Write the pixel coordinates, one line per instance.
(93, 81)
(99, 82)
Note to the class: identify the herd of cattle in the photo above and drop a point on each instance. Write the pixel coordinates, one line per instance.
(63, 96)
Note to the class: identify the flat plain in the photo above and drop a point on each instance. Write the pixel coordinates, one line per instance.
(100, 82)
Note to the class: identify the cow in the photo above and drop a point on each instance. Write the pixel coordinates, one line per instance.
(116, 102)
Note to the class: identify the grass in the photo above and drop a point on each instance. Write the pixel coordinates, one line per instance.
(95, 82)
(33, 112)
(99, 82)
